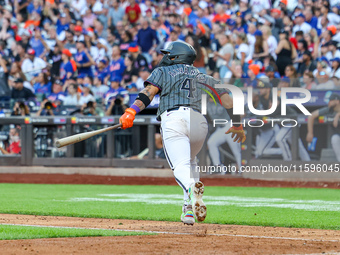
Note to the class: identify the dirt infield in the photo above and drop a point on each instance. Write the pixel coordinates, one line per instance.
(172, 238)
(122, 180)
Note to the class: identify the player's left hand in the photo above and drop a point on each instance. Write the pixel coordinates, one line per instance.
(127, 118)
(238, 133)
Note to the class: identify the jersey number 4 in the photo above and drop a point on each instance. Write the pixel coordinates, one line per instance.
(188, 85)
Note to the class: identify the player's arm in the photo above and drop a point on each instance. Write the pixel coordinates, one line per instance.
(236, 129)
(310, 125)
(143, 99)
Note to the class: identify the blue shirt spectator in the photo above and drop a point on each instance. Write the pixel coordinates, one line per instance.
(117, 65)
(83, 60)
(146, 37)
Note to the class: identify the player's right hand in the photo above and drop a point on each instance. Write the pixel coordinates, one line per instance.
(127, 118)
(309, 137)
(238, 133)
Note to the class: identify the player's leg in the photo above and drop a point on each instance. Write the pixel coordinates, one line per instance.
(282, 138)
(198, 132)
(269, 149)
(335, 141)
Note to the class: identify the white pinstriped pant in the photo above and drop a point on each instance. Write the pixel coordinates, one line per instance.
(183, 133)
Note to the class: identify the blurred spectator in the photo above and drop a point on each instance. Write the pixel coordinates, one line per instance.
(14, 146)
(332, 52)
(57, 94)
(130, 73)
(41, 84)
(87, 94)
(272, 74)
(20, 109)
(261, 49)
(73, 96)
(32, 65)
(308, 80)
(83, 59)
(132, 88)
(116, 106)
(102, 71)
(46, 109)
(324, 81)
(147, 39)
(243, 51)
(66, 67)
(144, 73)
(20, 92)
(285, 51)
(301, 24)
(224, 55)
(116, 13)
(125, 42)
(117, 66)
(201, 53)
(138, 59)
(307, 63)
(99, 89)
(335, 67)
(132, 12)
(291, 73)
(114, 90)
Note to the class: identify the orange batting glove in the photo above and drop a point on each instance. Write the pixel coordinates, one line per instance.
(238, 133)
(127, 118)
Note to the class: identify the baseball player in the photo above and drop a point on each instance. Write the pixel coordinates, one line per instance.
(183, 128)
(332, 108)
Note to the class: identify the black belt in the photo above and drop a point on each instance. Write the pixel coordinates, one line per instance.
(177, 108)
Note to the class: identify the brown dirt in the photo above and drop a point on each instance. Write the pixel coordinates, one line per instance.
(178, 239)
(122, 180)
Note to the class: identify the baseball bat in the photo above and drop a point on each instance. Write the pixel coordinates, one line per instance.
(82, 136)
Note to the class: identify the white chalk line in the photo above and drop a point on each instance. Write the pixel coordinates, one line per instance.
(176, 233)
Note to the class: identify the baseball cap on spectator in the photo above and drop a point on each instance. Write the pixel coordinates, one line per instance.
(8, 8)
(81, 41)
(102, 41)
(67, 52)
(31, 52)
(332, 29)
(115, 79)
(244, 1)
(335, 59)
(81, 75)
(87, 85)
(258, 33)
(285, 2)
(332, 42)
(18, 80)
(323, 59)
(103, 61)
(254, 68)
(78, 29)
(300, 15)
(231, 22)
(263, 83)
(300, 7)
(144, 69)
(62, 15)
(226, 2)
(133, 47)
(148, 10)
(131, 86)
(270, 69)
(334, 96)
(58, 82)
(276, 11)
(190, 26)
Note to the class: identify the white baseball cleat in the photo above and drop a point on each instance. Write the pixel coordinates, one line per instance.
(195, 194)
(187, 216)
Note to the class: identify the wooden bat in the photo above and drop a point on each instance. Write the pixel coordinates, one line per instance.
(82, 136)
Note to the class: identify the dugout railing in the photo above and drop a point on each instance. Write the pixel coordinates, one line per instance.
(114, 148)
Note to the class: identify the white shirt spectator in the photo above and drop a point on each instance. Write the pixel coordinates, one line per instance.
(72, 99)
(100, 91)
(332, 18)
(327, 85)
(329, 55)
(335, 73)
(97, 7)
(243, 48)
(227, 48)
(251, 42)
(259, 5)
(305, 28)
(86, 99)
(272, 45)
(31, 69)
(79, 6)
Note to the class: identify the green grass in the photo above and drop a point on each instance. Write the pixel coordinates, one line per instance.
(9, 232)
(243, 205)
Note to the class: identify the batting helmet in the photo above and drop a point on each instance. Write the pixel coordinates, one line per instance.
(178, 53)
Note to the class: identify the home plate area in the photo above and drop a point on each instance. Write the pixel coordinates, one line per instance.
(170, 238)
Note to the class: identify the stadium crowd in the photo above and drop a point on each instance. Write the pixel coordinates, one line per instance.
(94, 53)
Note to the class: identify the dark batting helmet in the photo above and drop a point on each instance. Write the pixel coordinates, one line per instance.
(178, 53)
